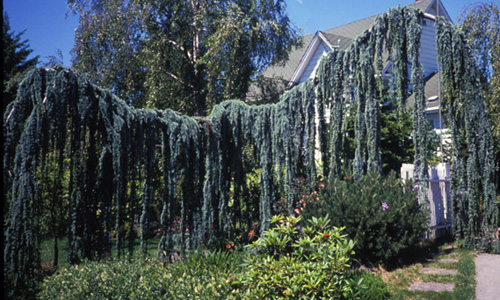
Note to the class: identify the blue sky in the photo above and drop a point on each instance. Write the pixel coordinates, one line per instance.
(49, 25)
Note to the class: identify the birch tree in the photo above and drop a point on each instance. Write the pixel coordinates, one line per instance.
(184, 54)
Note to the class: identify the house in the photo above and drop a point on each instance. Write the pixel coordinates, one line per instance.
(304, 60)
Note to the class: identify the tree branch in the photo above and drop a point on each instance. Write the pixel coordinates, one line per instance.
(179, 80)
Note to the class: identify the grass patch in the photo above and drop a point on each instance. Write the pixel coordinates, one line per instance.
(442, 265)
(465, 280)
(47, 250)
(437, 278)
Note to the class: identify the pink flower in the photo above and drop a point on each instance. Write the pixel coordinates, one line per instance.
(385, 206)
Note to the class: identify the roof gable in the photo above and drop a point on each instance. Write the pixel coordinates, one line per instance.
(314, 51)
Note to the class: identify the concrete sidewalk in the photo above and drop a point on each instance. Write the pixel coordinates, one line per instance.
(487, 277)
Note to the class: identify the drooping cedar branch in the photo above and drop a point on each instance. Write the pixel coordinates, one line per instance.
(475, 213)
(128, 165)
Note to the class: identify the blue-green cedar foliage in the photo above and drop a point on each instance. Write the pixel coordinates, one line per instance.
(475, 213)
(113, 147)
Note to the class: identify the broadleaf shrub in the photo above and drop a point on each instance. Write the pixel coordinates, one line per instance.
(291, 262)
(381, 214)
(373, 287)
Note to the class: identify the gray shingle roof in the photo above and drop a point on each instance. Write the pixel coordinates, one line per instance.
(337, 40)
(421, 4)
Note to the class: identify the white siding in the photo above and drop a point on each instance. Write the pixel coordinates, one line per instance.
(428, 50)
(322, 48)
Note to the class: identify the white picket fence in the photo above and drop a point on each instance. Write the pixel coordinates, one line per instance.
(438, 195)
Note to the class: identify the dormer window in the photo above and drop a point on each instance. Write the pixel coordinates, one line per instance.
(432, 99)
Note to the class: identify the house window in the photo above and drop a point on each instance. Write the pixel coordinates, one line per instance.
(433, 119)
(432, 123)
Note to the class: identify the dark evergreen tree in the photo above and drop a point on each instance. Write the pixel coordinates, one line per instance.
(16, 61)
(15, 66)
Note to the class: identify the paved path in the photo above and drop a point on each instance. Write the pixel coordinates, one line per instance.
(431, 287)
(487, 277)
(438, 271)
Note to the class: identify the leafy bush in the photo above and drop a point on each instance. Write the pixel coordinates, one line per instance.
(373, 287)
(298, 263)
(199, 276)
(382, 215)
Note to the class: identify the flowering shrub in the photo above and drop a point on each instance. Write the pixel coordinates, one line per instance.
(298, 263)
(381, 214)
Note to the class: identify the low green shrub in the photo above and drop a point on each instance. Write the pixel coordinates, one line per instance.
(291, 262)
(199, 276)
(382, 215)
(372, 287)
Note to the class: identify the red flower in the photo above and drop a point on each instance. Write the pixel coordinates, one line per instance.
(228, 246)
(251, 233)
(327, 236)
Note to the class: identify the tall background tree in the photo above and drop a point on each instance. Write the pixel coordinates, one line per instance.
(16, 61)
(108, 46)
(481, 24)
(184, 54)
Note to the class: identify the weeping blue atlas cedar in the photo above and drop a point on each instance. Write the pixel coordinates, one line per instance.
(123, 162)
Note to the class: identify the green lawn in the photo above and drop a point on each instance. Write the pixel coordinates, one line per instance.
(47, 250)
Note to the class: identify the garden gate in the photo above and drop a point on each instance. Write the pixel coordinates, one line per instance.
(438, 197)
